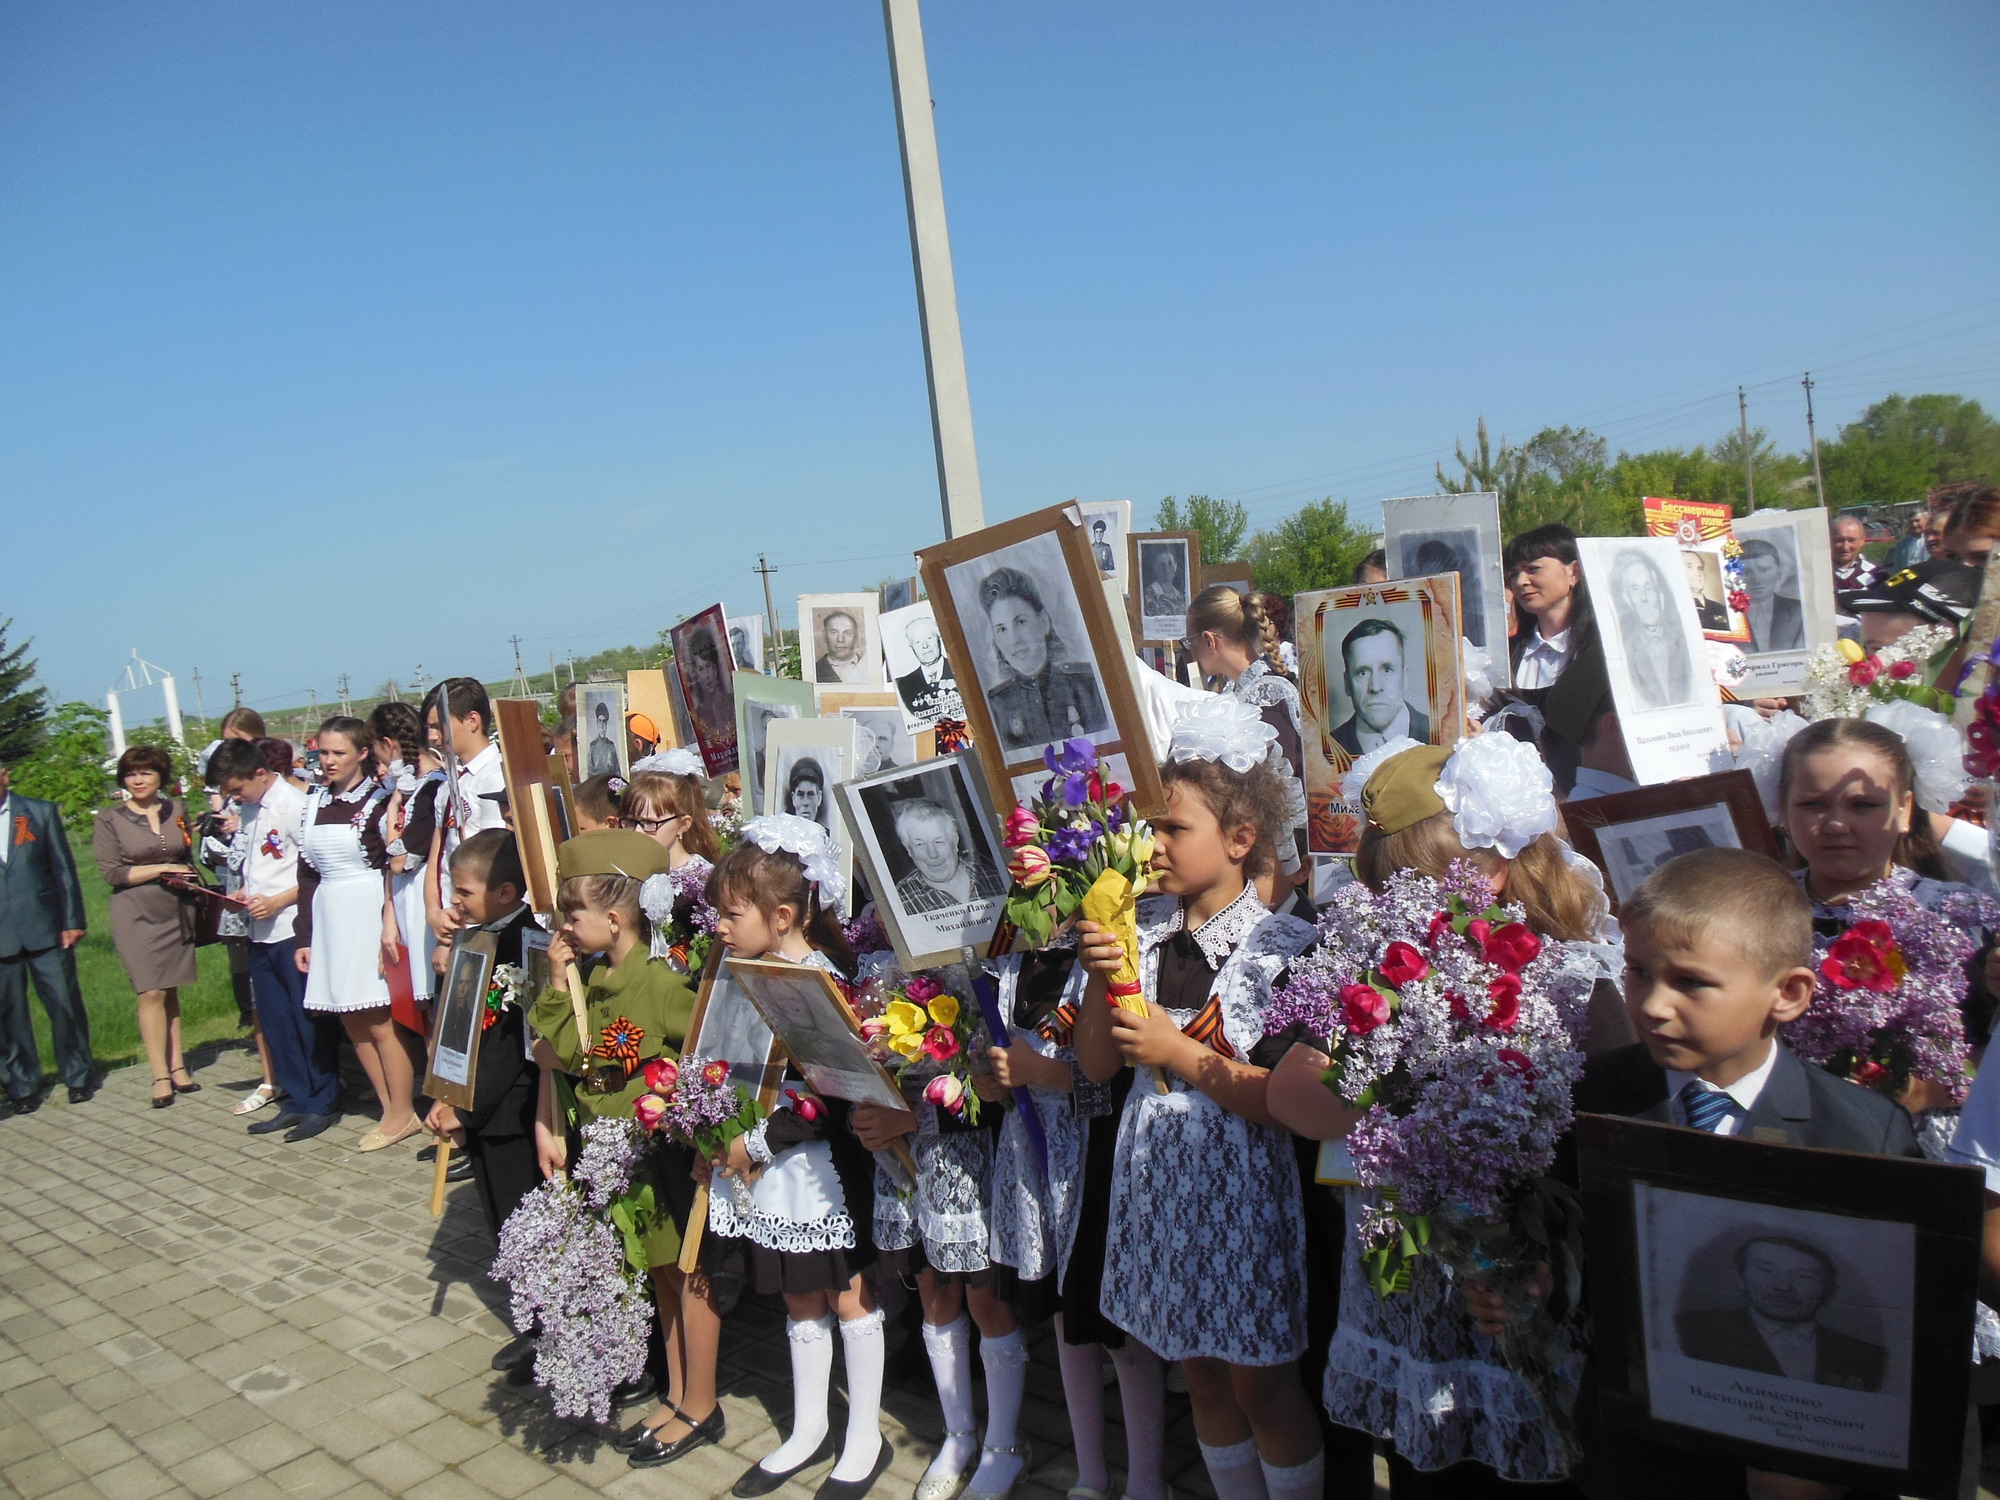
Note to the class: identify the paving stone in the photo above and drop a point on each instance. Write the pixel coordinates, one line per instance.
(397, 1467)
(451, 1441)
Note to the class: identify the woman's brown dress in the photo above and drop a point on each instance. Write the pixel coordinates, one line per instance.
(151, 927)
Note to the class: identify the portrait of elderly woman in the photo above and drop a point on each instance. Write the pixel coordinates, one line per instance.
(1651, 631)
(1018, 609)
(928, 841)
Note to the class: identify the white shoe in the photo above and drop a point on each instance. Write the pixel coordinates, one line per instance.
(949, 1486)
(257, 1098)
(1025, 1451)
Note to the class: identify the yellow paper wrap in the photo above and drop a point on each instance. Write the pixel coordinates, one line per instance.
(1113, 905)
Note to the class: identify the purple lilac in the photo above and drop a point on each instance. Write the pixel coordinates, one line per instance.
(611, 1152)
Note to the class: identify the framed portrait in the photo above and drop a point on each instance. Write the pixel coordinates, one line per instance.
(535, 961)
(760, 700)
(461, 1008)
(1788, 578)
(1106, 524)
(919, 668)
(1235, 575)
(882, 740)
(706, 673)
(1027, 622)
(1789, 1309)
(1163, 568)
(1628, 835)
(601, 747)
(928, 839)
(1425, 535)
(804, 760)
(901, 593)
(562, 792)
(746, 642)
(1656, 655)
(1702, 530)
(809, 1017)
(1376, 662)
(646, 692)
(727, 1026)
(525, 765)
(840, 641)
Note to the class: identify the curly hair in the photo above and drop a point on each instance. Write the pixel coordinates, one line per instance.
(1557, 902)
(1255, 798)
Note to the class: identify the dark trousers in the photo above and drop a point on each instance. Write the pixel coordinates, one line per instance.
(305, 1050)
(54, 971)
(505, 1171)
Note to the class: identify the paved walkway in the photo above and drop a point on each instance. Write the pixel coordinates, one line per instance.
(188, 1310)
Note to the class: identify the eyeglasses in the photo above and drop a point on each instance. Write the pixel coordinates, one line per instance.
(653, 825)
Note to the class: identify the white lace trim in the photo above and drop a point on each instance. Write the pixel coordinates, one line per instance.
(867, 1326)
(810, 1330)
(835, 1232)
(754, 1144)
(1219, 935)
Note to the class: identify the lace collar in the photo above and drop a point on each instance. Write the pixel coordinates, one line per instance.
(1222, 933)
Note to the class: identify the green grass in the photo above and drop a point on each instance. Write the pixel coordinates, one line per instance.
(208, 1007)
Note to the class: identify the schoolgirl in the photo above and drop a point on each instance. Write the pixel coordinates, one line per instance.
(410, 775)
(783, 1210)
(664, 801)
(1204, 1255)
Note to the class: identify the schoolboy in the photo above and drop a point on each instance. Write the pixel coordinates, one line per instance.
(498, 1133)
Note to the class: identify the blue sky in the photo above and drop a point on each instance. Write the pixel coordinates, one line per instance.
(352, 338)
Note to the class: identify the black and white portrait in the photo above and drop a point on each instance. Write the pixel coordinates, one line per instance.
(758, 716)
(803, 1010)
(706, 673)
(1425, 536)
(1164, 567)
(882, 739)
(1377, 677)
(1646, 614)
(1425, 554)
(838, 632)
(1771, 579)
(759, 700)
(804, 760)
(1024, 630)
(1632, 851)
(1704, 579)
(925, 682)
(901, 593)
(746, 642)
(1106, 524)
(928, 840)
(734, 1030)
(459, 1015)
(600, 721)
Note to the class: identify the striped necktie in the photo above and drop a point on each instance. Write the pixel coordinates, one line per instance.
(1705, 1106)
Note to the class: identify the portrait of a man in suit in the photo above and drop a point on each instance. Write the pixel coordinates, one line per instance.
(1777, 619)
(845, 658)
(1704, 573)
(1373, 659)
(1786, 1282)
(929, 691)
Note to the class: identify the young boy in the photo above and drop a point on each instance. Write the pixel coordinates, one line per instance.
(498, 1133)
(1718, 953)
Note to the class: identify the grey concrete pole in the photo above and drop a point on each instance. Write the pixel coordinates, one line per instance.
(937, 292)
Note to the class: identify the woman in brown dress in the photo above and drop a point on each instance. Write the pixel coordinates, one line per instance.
(136, 842)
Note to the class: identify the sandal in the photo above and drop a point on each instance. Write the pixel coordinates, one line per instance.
(378, 1138)
(158, 1102)
(257, 1098)
(190, 1087)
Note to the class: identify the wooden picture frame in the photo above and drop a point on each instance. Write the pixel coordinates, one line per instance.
(818, 1030)
(1235, 575)
(1157, 607)
(601, 745)
(705, 673)
(760, 702)
(884, 738)
(1672, 1221)
(646, 692)
(461, 1007)
(1647, 827)
(525, 765)
(1048, 548)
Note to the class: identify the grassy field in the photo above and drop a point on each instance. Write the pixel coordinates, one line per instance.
(208, 1009)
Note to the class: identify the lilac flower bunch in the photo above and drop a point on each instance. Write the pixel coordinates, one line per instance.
(866, 934)
(611, 1152)
(695, 1102)
(691, 923)
(1888, 992)
(564, 1265)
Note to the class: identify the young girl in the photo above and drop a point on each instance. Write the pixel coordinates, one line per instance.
(782, 1211)
(635, 1010)
(411, 776)
(1204, 1259)
(663, 800)
(1411, 1368)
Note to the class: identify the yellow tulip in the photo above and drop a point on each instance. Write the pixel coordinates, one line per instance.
(904, 1019)
(944, 1010)
(1849, 650)
(1142, 848)
(909, 1044)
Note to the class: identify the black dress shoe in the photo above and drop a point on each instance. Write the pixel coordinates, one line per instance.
(84, 1094)
(638, 1432)
(520, 1346)
(458, 1169)
(650, 1453)
(632, 1392)
(283, 1120)
(853, 1489)
(27, 1104)
(305, 1127)
(758, 1480)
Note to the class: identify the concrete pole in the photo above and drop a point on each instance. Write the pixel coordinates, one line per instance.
(937, 292)
(173, 698)
(117, 724)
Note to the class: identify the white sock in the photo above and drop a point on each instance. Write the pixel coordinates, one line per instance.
(861, 1341)
(950, 1349)
(1236, 1471)
(1083, 1393)
(812, 1376)
(1142, 1390)
(1298, 1482)
(1006, 1362)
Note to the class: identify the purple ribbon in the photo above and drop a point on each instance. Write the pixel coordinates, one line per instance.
(988, 995)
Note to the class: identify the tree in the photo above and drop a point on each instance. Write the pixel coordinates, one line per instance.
(1219, 523)
(1903, 446)
(24, 707)
(1316, 547)
(69, 768)
(1486, 470)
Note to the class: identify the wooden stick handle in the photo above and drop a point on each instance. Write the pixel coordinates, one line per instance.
(900, 1149)
(697, 1221)
(437, 1178)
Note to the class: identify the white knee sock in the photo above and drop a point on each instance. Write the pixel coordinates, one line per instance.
(1298, 1481)
(1142, 1389)
(812, 1376)
(1236, 1471)
(1083, 1393)
(861, 1341)
(950, 1349)
(1006, 1362)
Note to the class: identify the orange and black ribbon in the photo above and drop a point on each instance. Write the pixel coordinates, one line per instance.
(952, 735)
(620, 1042)
(1206, 1028)
(1059, 1025)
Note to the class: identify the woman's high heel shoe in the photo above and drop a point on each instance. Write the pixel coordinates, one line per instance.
(158, 1102)
(190, 1087)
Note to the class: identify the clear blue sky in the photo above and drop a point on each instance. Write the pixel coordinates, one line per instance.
(352, 337)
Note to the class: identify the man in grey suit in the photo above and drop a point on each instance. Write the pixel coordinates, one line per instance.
(41, 920)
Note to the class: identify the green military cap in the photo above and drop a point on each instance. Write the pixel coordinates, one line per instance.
(1403, 790)
(611, 851)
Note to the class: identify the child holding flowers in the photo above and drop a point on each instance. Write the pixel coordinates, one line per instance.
(1204, 1256)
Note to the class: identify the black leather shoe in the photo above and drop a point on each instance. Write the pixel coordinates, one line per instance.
(305, 1127)
(521, 1346)
(284, 1120)
(650, 1453)
(645, 1388)
(27, 1104)
(758, 1480)
(853, 1489)
(639, 1432)
(458, 1169)
(84, 1094)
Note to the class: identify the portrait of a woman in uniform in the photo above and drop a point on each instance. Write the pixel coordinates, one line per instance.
(1037, 688)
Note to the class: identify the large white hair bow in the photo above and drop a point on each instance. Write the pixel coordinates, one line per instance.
(1500, 793)
(1937, 750)
(813, 845)
(673, 761)
(1223, 729)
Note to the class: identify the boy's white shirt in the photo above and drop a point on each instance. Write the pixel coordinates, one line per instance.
(281, 811)
(1745, 1092)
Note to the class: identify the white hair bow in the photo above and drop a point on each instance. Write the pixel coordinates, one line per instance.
(673, 761)
(1224, 729)
(814, 846)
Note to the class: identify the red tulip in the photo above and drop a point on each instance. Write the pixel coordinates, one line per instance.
(941, 1044)
(1022, 828)
(715, 1074)
(648, 1110)
(1512, 947)
(661, 1076)
(1864, 672)
(1363, 1008)
(1902, 670)
(1505, 993)
(1402, 965)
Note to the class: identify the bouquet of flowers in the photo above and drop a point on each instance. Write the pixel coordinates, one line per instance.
(1982, 735)
(683, 921)
(1885, 1006)
(1844, 682)
(566, 1264)
(693, 1101)
(1453, 1026)
(921, 1031)
(508, 986)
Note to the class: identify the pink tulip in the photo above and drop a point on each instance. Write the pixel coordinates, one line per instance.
(662, 1076)
(649, 1110)
(1022, 828)
(946, 1092)
(1029, 867)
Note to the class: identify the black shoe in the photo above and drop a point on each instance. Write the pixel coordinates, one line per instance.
(161, 1101)
(758, 1480)
(458, 1169)
(650, 1453)
(83, 1093)
(27, 1104)
(523, 1373)
(308, 1126)
(283, 1120)
(190, 1087)
(853, 1489)
(645, 1388)
(511, 1353)
(428, 1154)
(639, 1432)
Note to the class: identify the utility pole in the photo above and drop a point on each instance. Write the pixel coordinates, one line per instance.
(200, 712)
(770, 607)
(235, 690)
(346, 709)
(520, 674)
(420, 681)
(553, 688)
(570, 657)
(1812, 441)
(395, 691)
(312, 706)
(1749, 472)
(937, 290)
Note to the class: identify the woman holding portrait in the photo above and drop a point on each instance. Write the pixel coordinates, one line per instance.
(139, 843)
(1040, 697)
(1656, 653)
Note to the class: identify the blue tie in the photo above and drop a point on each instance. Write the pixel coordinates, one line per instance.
(1705, 1105)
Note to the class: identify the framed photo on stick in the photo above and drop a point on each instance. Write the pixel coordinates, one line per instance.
(526, 766)
(705, 672)
(1163, 567)
(883, 740)
(600, 729)
(1028, 624)
(922, 674)
(1376, 661)
(1107, 523)
(1235, 575)
(1710, 559)
(746, 642)
(759, 701)
(1425, 535)
(1706, 1248)
(1628, 835)
(461, 1008)
(804, 759)
(840, 641)
(1788, 579)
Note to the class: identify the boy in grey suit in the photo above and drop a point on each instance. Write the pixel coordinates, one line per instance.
(41, 920)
